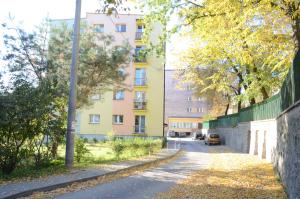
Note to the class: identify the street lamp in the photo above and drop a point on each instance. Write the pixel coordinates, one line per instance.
(72, 92)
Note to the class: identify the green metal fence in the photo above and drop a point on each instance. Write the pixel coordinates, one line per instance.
(267, 109)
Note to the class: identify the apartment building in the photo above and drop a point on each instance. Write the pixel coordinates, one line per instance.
(139, 108)
(184, 110)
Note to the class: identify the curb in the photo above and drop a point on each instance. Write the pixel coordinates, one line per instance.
(64, 184)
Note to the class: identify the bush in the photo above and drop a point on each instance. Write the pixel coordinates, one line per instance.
(164, 142)
(95, 140)
(118, 147)
(80, 149)
(85, 140)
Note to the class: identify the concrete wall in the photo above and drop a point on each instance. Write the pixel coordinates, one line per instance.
(276, 140)
(286, 156)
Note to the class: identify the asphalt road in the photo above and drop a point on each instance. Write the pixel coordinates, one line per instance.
(153, 181)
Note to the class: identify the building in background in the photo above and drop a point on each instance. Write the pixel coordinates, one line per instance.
(183, 110)
(138, 109)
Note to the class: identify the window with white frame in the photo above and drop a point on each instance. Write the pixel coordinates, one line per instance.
(118, 119)
(119, 95)
(189, 98)
(121, 28)
(189, 109)
(94, 118)
(99, 28)
(200, 110)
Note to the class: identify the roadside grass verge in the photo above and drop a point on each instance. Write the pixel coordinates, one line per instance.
(99, 154)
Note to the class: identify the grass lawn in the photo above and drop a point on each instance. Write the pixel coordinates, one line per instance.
(100, 153)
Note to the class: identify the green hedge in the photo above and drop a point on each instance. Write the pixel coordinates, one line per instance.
(267, 109)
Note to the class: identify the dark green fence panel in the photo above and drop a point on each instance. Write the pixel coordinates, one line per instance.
(267, 109)
(205, 125)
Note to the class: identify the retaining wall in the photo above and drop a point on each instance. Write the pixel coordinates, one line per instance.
(276, 140)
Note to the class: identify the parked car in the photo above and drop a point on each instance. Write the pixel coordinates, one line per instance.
(182, 134)
(198, 135)
(212, 138)
(171, 134)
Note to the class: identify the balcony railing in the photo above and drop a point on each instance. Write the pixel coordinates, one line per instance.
(140, 81)
(140, 105)
(138, 35)
(139, 129)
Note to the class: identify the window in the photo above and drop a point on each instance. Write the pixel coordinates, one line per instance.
(118, 119)
(139, 32)
(140, 100)
(200, 110)
(140, 96)
(96, 97)
(140, 28)
(189, 98)
(99, 28)
(140, 77)
(120, 28)
(194, 125)
(140, 54)
(199, 99)
(139, 124)
(94, 119)
(189, 109)
(119, 95)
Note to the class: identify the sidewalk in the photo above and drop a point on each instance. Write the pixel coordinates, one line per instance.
(20, 189)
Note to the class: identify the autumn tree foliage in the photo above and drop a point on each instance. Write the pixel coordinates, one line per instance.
(249, 45)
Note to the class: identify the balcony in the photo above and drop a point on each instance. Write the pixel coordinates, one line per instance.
(138, 35)
(140, 59)
(140, 105)
(140, 81)
(140, 55)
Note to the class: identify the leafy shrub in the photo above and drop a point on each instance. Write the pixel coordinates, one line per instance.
(27, 115)
(164, 142)
(118, 147)
(80, 149)
(95, 140)
(85, 140)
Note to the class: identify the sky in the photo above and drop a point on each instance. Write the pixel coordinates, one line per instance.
(32, 12)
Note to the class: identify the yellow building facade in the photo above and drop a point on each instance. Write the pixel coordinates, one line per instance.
(139, 109)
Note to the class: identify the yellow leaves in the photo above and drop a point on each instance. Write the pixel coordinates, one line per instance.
(230, 175)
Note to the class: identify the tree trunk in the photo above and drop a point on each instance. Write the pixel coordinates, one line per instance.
(239, 106)
(227, 108)
(54, 148)
(252, 101)
(264, 92)
(296, 28)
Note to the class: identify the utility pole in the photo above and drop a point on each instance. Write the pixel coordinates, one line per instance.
(72, 93)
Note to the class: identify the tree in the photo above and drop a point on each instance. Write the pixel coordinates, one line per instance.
(28, 116)
(33, 118)
(100, 64)
(218, 102)
(245, 43)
